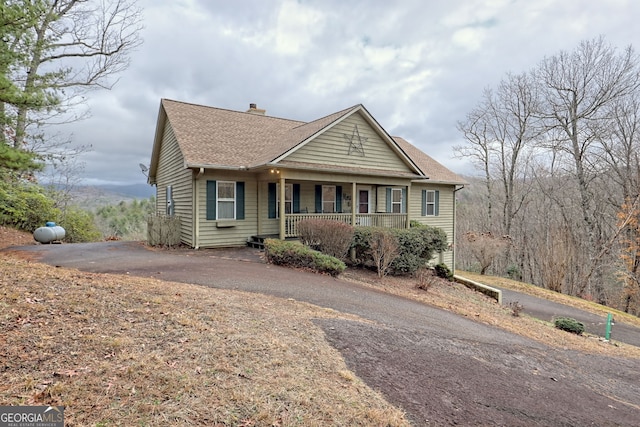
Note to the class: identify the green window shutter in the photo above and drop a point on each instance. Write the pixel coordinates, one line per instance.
(211, 200)
(239, 200)
(338, 198)
(424, 202)
(403, 207)
(437, 208)
(296, 198)
(388, 199)
(272, 200)
(318, 198)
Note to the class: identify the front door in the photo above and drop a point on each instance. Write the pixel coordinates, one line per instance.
(363, 207)
(363, 201)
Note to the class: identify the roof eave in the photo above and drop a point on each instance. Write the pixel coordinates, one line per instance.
(157, 141)
(215, 166)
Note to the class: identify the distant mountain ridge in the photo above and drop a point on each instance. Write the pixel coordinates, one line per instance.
(92, 197)
(137, 191)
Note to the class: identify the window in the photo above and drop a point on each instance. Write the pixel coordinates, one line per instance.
(291, 199)
(226, 196)
(328, 198)
(396, 200)
(430, 202)
(288, 199)
(225, 200)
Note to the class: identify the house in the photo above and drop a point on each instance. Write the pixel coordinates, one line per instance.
(230, 175)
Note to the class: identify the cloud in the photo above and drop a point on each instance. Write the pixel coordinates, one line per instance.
(417, 66)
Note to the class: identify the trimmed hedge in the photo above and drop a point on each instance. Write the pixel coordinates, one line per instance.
(416, 247)
(443, 271)
(295, 254)
(570, 325)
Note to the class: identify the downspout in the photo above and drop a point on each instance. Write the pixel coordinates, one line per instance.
(196, 210)
(455, 214)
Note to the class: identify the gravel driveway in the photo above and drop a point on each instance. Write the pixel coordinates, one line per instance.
(442, 369)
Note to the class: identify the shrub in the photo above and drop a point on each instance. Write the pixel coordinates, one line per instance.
(25, 206)
(79, 226)
(329, 237)
(425, 278)
(294, 254)
(570, 325)
(513, 272)
(416, 246)
(442, 270)
(516, 308)
(384, 250)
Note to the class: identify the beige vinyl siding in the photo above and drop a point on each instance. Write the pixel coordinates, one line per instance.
(444, 219)
(332, 148)
(227, 233)
(268, 225)
(171, 171)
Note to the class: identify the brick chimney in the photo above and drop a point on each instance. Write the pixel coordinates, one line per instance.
(253, 109)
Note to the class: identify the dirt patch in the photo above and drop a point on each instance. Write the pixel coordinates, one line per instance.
(458, 382)
(12, 237)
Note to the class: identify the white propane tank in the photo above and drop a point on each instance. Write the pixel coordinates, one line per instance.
(50, 233)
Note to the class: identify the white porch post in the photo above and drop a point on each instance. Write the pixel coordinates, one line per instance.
(281, 206)
(259, 202)
(353, 204)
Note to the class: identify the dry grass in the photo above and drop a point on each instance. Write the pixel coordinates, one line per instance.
(459, 299)
(124, 351)
(589, 306)
(119, 350)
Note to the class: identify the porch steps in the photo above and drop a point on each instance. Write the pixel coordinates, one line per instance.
(257, 241)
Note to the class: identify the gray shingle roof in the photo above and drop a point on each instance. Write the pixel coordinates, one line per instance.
(435, 171)
(216, 137)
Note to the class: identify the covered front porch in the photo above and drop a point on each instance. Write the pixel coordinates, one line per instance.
(388, 220)
(354, 200)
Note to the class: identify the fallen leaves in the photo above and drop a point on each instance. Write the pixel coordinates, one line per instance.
(143, 351)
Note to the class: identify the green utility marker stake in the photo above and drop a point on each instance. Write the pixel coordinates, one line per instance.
(607, 334)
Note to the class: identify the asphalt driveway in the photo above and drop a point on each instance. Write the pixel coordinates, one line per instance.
(442, 369)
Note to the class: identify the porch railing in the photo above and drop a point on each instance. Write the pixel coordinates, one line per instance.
(388, 220)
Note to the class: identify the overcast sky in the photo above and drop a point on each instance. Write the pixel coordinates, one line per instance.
(418, 66)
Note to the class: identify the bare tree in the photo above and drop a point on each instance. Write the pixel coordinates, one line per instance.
(500, 134)
(558, 150)
(486, 247)
(479, 150)
(384, 249)
(72, 46)
(578, 89)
